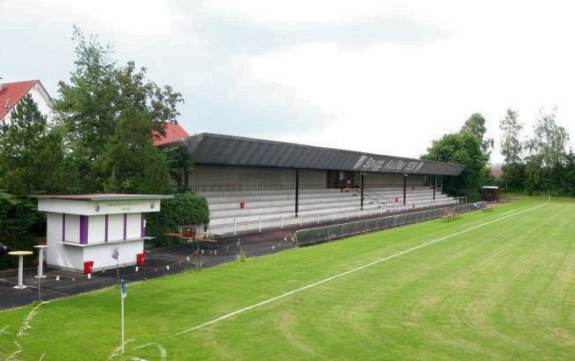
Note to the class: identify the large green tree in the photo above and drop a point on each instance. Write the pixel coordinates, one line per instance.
(180, 163)
(513, 169)
(549, 142)
(31, 153)
(110, 112)
(511, 145)
(129, 162)
(18, 218)
(475, 125)
(463, 148)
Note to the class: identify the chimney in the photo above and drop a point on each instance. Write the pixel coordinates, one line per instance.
(1, 85)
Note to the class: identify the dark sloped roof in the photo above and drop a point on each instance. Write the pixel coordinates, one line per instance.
(218, 149)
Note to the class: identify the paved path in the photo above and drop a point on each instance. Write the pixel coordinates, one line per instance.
(160, 262)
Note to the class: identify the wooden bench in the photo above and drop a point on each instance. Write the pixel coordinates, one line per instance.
(189, 234)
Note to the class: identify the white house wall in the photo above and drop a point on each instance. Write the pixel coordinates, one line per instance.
(42, 101)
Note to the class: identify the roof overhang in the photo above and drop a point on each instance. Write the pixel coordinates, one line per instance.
(225, 150)
(100, 204)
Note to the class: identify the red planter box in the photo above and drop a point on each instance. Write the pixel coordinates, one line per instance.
(88, 267)
(140, 257)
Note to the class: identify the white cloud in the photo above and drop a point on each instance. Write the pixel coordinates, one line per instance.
(381, 96)
(130, 17)
(397, 98)
(305, 10)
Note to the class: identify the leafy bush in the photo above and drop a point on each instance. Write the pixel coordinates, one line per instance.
(18, 219)
(465, 149)
(185, 209)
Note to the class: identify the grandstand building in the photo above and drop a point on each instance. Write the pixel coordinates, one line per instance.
(254, 184)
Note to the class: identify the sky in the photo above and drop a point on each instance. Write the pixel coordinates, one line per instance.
(378, 76)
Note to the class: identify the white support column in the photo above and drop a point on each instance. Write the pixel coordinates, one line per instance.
(20, 273)
(40, 261)
(20, 255)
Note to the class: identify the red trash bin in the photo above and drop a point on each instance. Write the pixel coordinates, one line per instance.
(140, 257)
(88, 267)
(242, 205)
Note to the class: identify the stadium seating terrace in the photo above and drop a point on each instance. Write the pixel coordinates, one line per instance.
(253, 184)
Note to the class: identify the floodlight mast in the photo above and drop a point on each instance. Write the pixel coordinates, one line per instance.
(123, 293)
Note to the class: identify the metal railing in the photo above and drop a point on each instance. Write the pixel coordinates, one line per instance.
(237, 226)
(328, 233)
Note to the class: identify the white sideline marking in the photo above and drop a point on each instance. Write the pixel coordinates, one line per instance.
(342, 274)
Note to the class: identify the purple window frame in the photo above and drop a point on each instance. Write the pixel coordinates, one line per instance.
(106, 228)
(84, 221)
(63, 227)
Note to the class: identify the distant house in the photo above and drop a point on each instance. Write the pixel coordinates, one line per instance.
(174, 132)
(496, 170)
(12, 93)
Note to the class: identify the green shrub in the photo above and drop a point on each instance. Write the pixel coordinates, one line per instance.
(18, 221)
(185, 209)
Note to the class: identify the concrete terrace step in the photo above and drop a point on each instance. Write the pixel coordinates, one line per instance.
(216, 209)
(247, 224)
(251, 217)
(266, 197)
(281, 202)
(255, 196)
(286, 214)
(223, 203)
(286, 208)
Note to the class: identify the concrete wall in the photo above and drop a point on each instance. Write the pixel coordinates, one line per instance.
(232, 176)
(382, 180)
(202, 177)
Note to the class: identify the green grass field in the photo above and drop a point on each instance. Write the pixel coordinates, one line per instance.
(497, 284)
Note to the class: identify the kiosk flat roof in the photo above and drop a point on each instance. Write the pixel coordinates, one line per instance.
(103, 197)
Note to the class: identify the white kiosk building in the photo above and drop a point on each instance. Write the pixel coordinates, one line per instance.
(83, 231)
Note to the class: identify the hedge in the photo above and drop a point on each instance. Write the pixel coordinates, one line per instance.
(185, 209)
(18, 221)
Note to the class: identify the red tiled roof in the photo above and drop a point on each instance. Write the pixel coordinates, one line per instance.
(496, 170)
(11, 93)
(174, 132)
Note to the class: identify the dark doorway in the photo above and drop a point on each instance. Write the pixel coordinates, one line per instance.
(342, 179)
